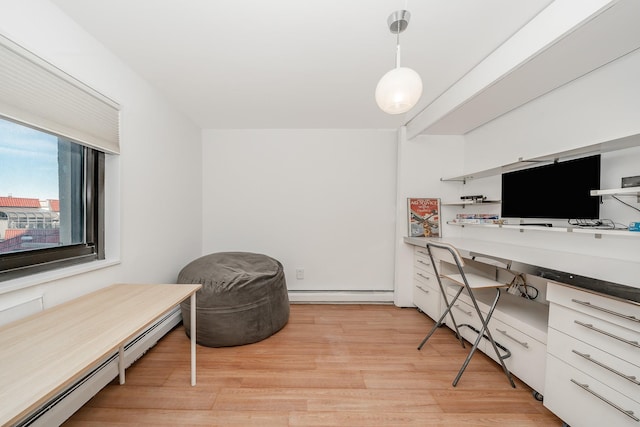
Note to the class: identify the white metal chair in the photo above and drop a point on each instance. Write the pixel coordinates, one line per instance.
(469, 281)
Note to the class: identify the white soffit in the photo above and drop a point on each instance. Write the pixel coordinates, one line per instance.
(564, 42)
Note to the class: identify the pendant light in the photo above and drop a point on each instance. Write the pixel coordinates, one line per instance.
(400, 89)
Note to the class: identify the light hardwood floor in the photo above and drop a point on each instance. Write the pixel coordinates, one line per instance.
(331, 365)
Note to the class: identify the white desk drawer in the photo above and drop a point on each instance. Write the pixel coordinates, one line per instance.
(426, 291)
(422, 264)
(421, 251)
(427, 299)
(606, 368)
(615, 311)
(606, 336)
(426, 278)
(580, 400)
(465, 314)
(528, 356)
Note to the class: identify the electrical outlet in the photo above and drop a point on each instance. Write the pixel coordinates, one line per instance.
(300, 273)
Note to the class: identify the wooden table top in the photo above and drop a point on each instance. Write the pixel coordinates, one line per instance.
(42, 354)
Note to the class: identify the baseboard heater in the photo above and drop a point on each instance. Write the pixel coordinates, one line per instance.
(59, 408)
(341, 296)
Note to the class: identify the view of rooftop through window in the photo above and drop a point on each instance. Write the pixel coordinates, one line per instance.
(32, 164)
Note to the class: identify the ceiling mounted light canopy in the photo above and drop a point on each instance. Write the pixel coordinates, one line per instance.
(400, 89)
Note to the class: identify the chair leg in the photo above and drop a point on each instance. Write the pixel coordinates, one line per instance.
(453, 320)
(439, 321)
(485, 328)
(493, 343)
(468, 359)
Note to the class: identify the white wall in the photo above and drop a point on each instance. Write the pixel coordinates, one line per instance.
(322, 200)
(601, 106)
(154, 186)
(422, 161)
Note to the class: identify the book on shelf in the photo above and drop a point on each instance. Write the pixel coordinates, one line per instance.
(476, 218)
(423, 217)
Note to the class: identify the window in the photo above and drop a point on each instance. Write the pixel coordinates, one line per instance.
(55, 132)
(50, 203)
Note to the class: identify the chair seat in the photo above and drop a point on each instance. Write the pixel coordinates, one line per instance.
(475, 281)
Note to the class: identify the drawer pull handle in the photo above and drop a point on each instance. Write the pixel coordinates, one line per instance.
(426, 291)
(585, 387)
(609, 334)
(422, 252)
(524, 344)
(595, 307)
(424, 262)
(588, 357)
(423, 276)
(468, 313)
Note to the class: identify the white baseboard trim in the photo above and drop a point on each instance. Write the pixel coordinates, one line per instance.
(365, 297)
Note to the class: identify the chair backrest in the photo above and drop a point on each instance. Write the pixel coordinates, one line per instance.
(445, 252)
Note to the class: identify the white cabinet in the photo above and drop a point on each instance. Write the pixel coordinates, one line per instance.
(426, 291)
(593, 360)
(528, 355)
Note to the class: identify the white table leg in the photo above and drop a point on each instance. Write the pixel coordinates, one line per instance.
(121, 363)
(193, 339)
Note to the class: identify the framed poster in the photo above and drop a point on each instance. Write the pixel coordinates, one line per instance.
(423, 217)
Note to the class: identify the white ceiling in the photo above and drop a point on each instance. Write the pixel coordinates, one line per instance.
(295, 63)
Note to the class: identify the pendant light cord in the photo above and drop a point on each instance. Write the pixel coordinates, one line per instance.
(398, 48)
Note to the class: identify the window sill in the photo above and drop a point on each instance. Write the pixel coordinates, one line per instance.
(50, 276)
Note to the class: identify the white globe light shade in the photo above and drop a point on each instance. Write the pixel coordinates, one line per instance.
(399, 90)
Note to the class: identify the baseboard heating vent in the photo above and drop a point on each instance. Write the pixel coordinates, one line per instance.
(59, 408)
(340, 296)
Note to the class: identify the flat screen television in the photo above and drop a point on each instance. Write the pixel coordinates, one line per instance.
(555, 191)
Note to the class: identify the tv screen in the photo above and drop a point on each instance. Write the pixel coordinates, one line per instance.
(556, 191)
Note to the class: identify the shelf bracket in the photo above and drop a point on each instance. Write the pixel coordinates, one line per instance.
(462, 180)
(523, 160)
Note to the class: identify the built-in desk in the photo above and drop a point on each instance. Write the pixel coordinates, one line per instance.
(608, 276)
(582, 348)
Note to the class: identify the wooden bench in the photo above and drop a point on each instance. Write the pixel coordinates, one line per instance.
(42, 354)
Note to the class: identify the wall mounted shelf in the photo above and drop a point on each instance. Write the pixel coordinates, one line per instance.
(522, 163)
(597, 232)
(469, 202)
(629, 191)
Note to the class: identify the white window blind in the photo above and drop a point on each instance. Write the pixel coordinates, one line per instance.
(37, 94)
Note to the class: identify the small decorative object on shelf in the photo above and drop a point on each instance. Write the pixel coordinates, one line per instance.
(631, 181)
(634, 226)
(478, 199)
(423, 217)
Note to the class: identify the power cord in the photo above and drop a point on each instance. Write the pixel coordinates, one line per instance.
(518, 286)
(605, 224)
(627, 204)
(602, 223)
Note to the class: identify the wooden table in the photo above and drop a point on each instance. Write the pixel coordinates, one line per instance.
(44, 353)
